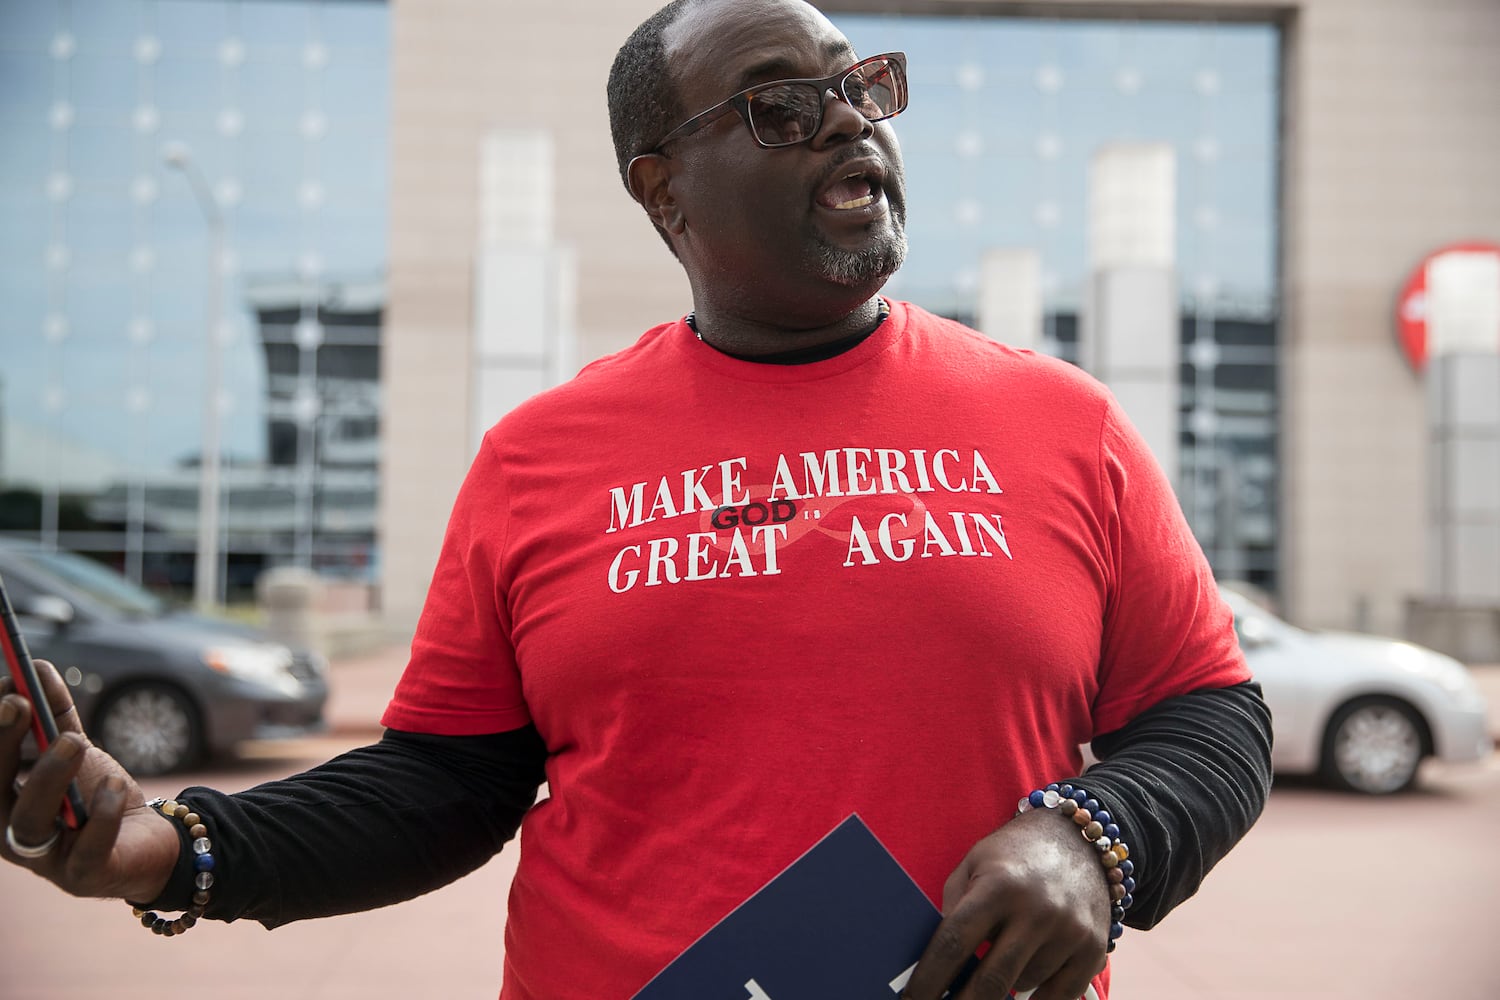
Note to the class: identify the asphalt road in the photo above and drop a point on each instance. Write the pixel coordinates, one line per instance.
(1332, 896)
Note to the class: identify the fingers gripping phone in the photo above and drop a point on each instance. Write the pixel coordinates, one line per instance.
(43, 724)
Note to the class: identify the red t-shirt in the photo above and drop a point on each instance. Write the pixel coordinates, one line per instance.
(741, 601)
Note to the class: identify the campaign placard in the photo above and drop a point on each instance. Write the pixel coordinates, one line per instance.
(844, 920)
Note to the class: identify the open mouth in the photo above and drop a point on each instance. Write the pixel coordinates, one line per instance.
(854, 190)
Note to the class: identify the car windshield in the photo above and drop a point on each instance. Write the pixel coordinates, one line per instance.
(100, 583)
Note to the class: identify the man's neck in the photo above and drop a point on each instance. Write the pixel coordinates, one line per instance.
(751, 338)
(807, 355)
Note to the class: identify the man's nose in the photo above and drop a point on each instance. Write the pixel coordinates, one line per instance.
(842, 122)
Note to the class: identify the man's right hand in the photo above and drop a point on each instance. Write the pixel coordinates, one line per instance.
(124, 850)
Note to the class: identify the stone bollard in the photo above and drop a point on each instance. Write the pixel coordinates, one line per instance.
(286, 595)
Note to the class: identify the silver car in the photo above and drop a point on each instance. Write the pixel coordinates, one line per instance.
(1360, 712)
(158, 688)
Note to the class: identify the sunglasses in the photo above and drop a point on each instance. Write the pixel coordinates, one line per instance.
(787, 112)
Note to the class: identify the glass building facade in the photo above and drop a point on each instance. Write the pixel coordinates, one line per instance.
(1006, 116)
(134, 131)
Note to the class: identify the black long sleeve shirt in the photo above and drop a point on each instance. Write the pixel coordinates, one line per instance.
(387, 822)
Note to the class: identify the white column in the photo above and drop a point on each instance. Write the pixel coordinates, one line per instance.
(1128, 337)
(1010, 297)
(1463, 396)
(525, 287)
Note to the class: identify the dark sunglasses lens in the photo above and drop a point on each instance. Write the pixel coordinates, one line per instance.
(788, 113)
(876, 88)
(782, 115)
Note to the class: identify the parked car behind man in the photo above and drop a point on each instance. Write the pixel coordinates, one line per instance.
(1359, 711)
(157, 687)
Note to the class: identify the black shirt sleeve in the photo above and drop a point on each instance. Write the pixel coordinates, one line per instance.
(1185, 780)
(373, 826)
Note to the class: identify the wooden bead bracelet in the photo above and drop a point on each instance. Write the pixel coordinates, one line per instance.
(203, 865)
(1099, 828)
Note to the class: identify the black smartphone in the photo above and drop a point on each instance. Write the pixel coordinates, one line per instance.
(43, 725)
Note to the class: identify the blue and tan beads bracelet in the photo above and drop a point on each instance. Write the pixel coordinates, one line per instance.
(1098, 828)
(203, 867)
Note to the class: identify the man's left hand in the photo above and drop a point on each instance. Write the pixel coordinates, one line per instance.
(1033, 889)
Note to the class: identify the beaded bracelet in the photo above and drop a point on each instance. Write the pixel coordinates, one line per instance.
(203, 864)
(1098, 828)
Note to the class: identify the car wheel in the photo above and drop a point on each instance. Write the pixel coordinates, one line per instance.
(1373, 746)
(150, 729)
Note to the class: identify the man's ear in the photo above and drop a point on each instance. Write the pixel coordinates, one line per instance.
(650, 179)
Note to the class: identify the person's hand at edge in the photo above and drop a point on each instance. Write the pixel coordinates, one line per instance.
(1033, 889)
(124, 850)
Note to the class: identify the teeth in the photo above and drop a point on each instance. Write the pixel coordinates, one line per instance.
(857, 202)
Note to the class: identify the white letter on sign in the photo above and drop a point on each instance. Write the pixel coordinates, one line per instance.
(899, 983)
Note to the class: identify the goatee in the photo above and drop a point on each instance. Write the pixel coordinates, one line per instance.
(875, 261)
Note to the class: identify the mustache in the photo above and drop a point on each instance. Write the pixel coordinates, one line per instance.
(862, 150)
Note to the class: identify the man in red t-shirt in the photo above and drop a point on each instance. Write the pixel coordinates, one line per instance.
(804, 552)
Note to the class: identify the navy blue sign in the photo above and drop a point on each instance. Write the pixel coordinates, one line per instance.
(845, 920)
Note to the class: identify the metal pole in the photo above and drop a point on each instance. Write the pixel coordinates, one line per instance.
(206, 562)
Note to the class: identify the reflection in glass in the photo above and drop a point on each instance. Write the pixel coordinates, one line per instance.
(1005, 116)
(103, 267)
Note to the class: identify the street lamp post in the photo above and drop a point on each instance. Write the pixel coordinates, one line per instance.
(206, 563)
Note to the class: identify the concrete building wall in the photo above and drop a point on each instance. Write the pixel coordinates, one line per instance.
(1391, 149)
(461, 69)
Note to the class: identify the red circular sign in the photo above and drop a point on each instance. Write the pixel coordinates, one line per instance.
(1411, 308)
